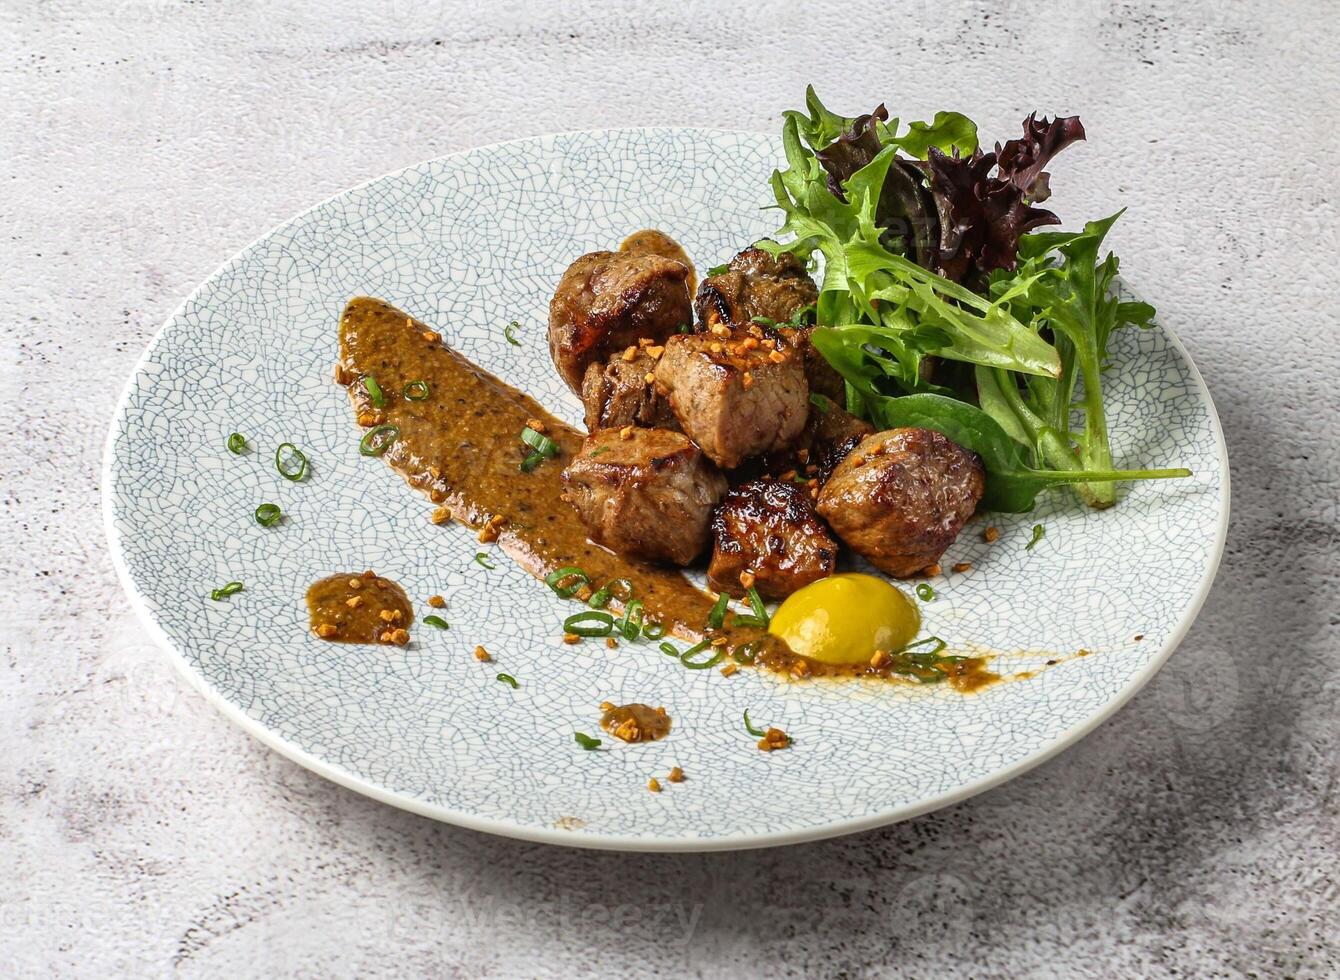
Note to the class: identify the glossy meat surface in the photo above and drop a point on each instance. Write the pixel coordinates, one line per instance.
(609, 300)
(648, 493)
(769, 530)
(900, 498)
(734, 395)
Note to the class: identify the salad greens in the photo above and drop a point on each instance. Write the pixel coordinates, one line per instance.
(930, 255)
(1072, 298)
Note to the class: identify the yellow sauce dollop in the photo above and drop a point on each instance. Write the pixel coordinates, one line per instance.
(844, 619)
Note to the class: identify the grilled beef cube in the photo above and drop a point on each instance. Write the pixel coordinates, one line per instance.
(648, 494)
(830, 435)
(822, 377)
(901, 497)
(755, 284)
(617, 392)
(609, 300)
(771, 531)
(735, 396)
(652, 241)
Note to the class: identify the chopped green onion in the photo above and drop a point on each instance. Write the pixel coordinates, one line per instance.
(763, 321)
(653, 630)
(540, 442)
(922, 665)
(760, 610)
(482, 560)
(267, 515)
(437, 621)
(532, 460)
(509, 680)
(416, 391)
(597, 451)
(378, 439)
(237, 443)
(1038, 532)
(718, 614)
(924, 592)
(686, 328)
(586, 741)
(669, 649)
(374, 391)
(287, 468)
(821, 403)
(801, 317)
(232, 588)
(740, 619)
(717, 270)
(590, 622)
(936, 645)
(508, 333)
(686, 657)
(757, 733)
(631, 624)
(746, 653)
(601, 597)
(570, 573)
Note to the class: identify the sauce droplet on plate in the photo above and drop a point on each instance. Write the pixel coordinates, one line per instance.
(635, 722)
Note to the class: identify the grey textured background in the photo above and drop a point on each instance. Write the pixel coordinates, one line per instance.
(1196, 833)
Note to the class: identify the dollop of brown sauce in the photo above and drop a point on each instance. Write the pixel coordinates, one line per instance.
(359, 607)
(461, 447)
(635, 722)
(650, 241)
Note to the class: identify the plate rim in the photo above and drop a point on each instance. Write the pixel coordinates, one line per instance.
(622, 842)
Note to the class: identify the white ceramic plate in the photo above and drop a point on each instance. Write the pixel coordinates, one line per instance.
(468, 243)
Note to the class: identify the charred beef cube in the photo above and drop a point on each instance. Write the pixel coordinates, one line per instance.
(647, 493)
(771, 531)
(822, 377)
(653, 241)
(830, 435)
(901, 497)
(609, 300)
(755, 284)
(618, 393)
(735, 396)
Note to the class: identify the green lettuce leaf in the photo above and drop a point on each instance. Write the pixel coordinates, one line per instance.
(866, 284)
(1064, 288)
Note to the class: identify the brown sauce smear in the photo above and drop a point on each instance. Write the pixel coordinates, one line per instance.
(964, 674)
(461, 446)
(359, 607)
(635, 722)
